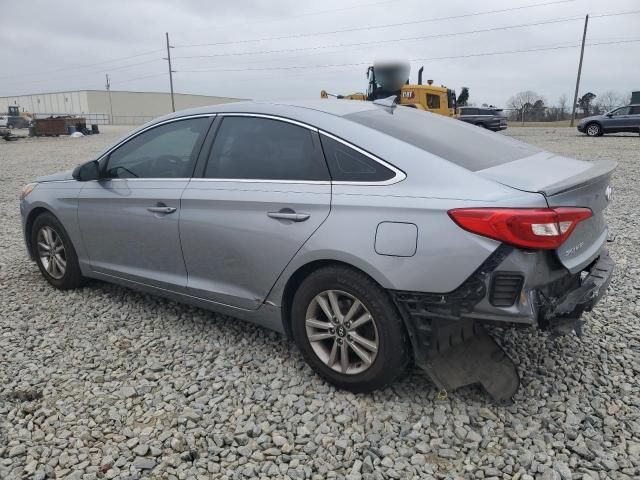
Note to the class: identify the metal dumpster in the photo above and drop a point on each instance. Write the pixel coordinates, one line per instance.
(58, 125)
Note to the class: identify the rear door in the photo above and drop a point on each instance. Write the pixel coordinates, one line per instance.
(263, 190)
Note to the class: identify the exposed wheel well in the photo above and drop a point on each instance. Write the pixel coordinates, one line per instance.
(35, 213)
(297, 278)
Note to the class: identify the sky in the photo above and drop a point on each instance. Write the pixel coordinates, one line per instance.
(287, 49)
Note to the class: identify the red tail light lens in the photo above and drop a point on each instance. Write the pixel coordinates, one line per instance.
(535, 228)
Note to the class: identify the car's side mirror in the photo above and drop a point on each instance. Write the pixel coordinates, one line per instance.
(609, 115)
(87, 171)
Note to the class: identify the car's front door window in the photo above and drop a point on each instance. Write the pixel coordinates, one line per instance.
(620, 111)
(166, 151)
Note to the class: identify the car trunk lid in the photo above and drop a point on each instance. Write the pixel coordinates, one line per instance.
(565, 182)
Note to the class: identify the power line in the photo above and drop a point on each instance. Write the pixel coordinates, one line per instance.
(374, 27)
(77, 67)
(102, 70)
(127, 80)
(481, 54)
(299, 15)
(392, 40)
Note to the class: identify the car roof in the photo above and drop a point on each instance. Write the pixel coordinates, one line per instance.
(294, 109)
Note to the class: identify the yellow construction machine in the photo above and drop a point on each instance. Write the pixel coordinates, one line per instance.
(392, 79)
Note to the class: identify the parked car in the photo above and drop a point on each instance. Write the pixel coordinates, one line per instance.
(3, 120)
(623, 119)
(489, 118)
(370, 234)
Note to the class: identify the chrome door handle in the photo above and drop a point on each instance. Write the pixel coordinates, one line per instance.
(296, 217)
(162, 209)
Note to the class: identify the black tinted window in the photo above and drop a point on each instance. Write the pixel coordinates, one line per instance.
(470, 111)
(264, 149)
(349, 165)
(635, 110)
(167, 151)
(458, 142)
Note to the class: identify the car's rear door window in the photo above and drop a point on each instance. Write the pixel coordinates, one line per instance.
(471, 148)
(255, 148)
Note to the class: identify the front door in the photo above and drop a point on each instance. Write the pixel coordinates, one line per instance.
(619, 120)
(264, 190)
(130, 218)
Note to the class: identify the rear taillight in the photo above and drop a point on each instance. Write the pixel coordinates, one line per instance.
(535, 228)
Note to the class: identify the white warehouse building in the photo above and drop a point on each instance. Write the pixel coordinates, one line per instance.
(104, 107)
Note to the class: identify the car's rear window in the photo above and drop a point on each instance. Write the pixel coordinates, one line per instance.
(468, 146)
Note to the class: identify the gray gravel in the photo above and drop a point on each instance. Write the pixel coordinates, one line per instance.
(105, 382)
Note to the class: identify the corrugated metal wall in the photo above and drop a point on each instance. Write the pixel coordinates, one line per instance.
(130, 108)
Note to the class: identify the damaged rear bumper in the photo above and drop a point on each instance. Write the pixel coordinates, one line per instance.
(562, 313)
(450, 343)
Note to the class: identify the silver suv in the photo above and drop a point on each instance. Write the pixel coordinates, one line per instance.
(623, 119)
(371, 234)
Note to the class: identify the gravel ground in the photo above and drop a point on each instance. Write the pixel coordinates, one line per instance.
(105, 382)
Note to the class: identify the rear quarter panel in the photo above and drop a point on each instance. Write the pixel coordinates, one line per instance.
(445, 255)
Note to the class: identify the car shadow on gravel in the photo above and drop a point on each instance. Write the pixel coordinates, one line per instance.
(217, 325)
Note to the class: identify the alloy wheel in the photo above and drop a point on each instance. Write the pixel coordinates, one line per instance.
(342, 332)
(51, 252)
(593, 130)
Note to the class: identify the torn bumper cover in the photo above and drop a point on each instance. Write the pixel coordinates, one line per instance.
(454, 348)
(562, 313)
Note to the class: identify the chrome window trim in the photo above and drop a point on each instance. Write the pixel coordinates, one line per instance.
(135, 179)
(398, 177)
(140, 132)
(261, 180)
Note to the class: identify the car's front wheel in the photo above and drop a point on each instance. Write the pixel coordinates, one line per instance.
(348, 330)
(54, 253)
(594, 130)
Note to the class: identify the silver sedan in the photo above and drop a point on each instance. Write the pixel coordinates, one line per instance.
(375, 235)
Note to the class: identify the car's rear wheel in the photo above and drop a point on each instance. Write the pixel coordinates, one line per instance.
(348, 330)
(54, 253)
(593, 130)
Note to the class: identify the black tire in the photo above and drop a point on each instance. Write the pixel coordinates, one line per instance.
(593, 129)
(10, 126)
(392, 357)
(72, 276)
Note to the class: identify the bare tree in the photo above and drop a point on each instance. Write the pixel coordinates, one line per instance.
(609, 100)
(562, 106)
(523, 102)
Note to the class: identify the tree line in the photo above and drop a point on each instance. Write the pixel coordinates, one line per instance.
(531, 107)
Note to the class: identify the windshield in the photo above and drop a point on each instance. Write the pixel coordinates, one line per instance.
(467, 146)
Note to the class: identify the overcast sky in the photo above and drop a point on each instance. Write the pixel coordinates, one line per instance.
(56, 45)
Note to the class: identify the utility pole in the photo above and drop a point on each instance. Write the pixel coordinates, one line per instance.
(171, 72)
(575, 95)
(110, 102)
